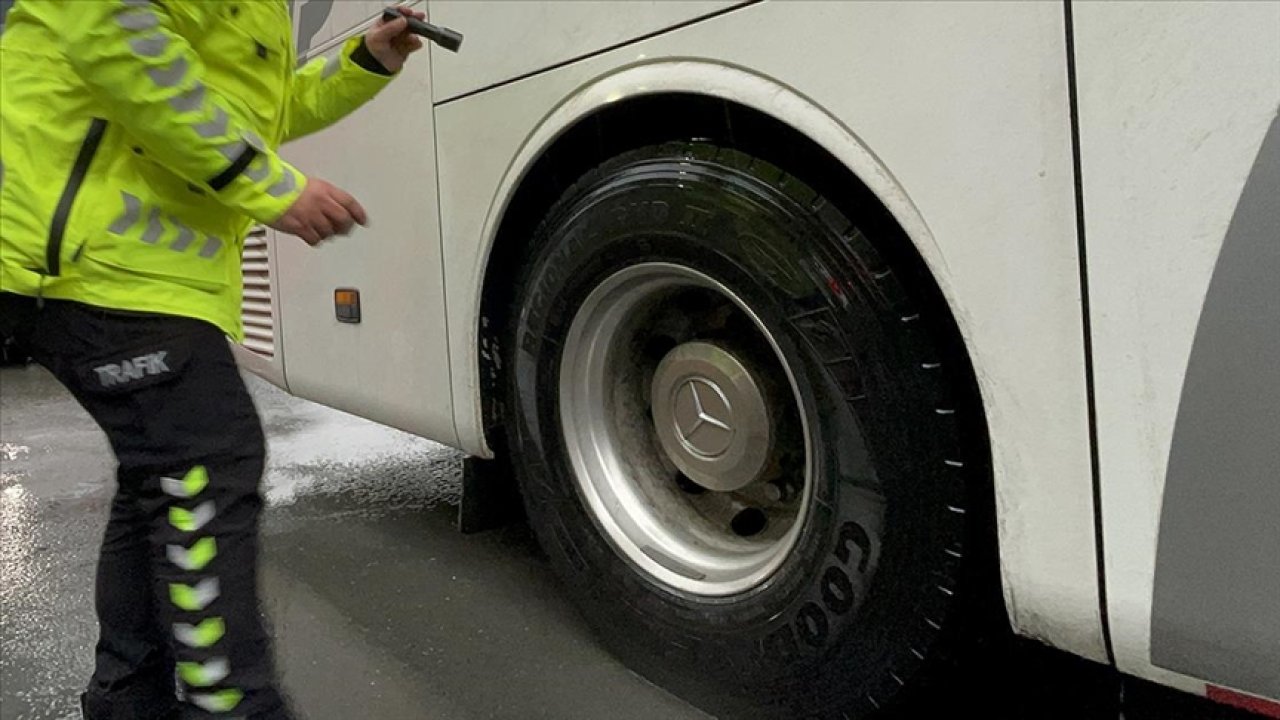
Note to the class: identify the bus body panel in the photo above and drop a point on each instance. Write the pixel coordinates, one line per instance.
(393, 365)
(957, 117)
(506, 39)
(1176, 100)
(319, 23)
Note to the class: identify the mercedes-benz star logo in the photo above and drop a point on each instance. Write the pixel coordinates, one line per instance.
(702, 417)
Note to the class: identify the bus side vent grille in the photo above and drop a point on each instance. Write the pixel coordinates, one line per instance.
(255, 306)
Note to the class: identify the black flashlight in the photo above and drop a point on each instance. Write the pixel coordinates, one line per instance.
(448, 39)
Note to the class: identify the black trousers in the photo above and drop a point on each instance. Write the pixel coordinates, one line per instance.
(177, 577)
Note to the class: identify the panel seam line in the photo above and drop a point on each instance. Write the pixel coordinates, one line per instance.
(1087, 326)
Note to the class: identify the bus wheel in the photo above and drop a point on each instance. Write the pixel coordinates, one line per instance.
(737, 438)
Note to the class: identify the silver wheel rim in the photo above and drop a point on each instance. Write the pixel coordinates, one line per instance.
(688, 461)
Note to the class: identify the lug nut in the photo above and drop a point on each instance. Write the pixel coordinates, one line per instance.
(782, 490)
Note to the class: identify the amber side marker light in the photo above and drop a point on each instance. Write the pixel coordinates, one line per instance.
(346, 305)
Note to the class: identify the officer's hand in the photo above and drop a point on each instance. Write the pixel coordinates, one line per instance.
(321, 212)
(392, 43)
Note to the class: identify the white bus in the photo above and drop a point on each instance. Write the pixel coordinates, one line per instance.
(817, 335)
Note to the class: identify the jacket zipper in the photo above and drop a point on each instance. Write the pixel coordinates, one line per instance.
(62, 213)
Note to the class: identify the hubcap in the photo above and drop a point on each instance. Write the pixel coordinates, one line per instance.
(683, 428)
(711, 417)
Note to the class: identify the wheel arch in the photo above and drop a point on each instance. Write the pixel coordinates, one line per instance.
(667, 100)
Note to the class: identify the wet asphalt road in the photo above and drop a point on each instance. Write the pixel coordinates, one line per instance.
(381, 608)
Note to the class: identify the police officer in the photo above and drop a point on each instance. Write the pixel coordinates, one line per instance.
(137, 146)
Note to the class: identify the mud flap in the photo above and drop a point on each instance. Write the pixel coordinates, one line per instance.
(490, 498)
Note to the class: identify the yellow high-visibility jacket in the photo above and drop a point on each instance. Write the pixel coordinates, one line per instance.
(137, 146)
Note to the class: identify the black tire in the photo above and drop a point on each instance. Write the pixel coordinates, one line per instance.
(855, 611)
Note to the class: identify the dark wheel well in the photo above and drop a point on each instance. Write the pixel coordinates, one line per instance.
(653, 119)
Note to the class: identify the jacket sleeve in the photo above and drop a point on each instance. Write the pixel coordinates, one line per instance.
(325, 91)
(151, 82)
